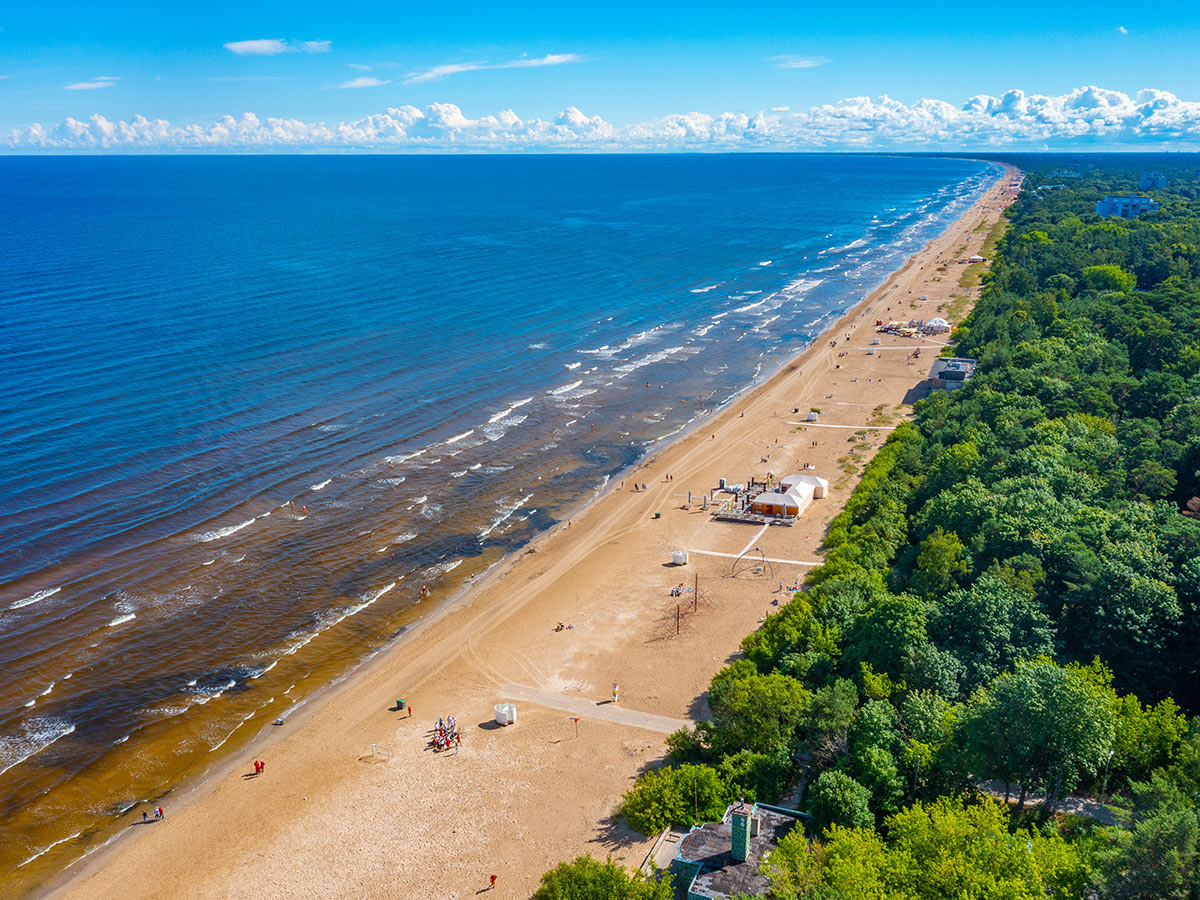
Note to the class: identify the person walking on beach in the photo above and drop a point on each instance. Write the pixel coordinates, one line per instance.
(616, 692)
(493, 882)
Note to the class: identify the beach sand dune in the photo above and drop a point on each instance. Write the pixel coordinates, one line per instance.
(354, 804)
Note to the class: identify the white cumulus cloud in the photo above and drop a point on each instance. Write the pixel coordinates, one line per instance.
(1088, 117)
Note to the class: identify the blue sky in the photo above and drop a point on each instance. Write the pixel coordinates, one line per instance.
(623, 63)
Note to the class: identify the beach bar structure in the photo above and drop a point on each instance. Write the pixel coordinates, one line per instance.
(951, 374)
(721, 859)
(791, 498)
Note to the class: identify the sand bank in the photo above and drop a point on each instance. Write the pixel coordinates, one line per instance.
(354, 804)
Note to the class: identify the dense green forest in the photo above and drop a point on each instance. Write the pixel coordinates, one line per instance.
(1009, 604)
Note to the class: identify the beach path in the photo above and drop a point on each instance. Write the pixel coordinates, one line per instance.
(605, 710)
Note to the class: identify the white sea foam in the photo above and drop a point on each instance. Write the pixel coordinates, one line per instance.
(703, 330)
(50, 846)
(853, 245)
(210, 562)
(34, 598)
(565, 388)
(220, 744)
(404, 538)
(443, 568)
(399, 480)
(322, 485)
(496, 430)
(604, 352)
(766, 262)
(750, 306)
(657, 356)
(719, 315)
(36, 735)
(121, 620)
(540, 345)
(506, 510)
(224, 532)
(459, 474)
(505, 413)
(705, 290)
(403, 457)
(574, 365)
(459, 437)
(421, 499)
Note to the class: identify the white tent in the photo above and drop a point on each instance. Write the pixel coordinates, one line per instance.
(795, 493)
(937, 326)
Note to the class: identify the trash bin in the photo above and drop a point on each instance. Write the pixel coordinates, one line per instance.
(658, 515)
(400, 703)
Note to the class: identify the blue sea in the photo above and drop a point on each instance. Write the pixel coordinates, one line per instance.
(253, 406)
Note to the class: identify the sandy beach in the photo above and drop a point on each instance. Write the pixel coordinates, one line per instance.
(353, 802)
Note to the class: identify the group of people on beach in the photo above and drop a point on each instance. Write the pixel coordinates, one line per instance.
(446, 735)
(677, 591)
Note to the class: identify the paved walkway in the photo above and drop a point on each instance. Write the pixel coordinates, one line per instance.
(590, 709)
(787, 562)
(851, 427)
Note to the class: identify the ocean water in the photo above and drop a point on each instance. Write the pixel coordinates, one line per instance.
(251, 407)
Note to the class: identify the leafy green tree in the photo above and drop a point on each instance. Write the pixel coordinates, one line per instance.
(884, 635)
(759, 777)
(755, 712)
(941, 564)
(989, 627)
(589, 879)
(837, 799)
(1160, 856)
(929, 717)
(682, 795)
(1125, 618)
(927, 668)
(1107, 278)
(945, 850)
(876, 770)
(1039, 725)
(829, 717)
(876, 725)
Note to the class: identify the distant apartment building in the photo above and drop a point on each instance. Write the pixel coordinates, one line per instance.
(1152, 181)
(1125, 207)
